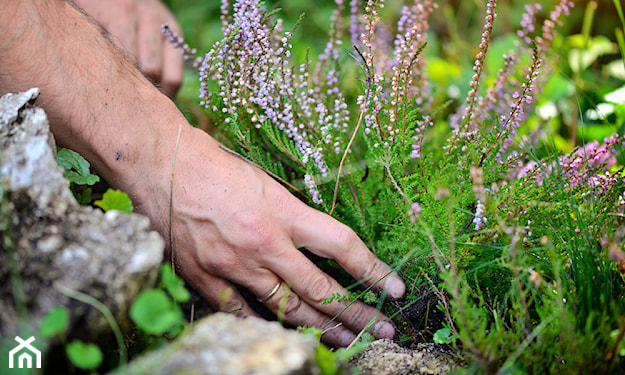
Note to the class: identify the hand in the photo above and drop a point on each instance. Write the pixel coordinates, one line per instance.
(233, 224)
(135, 26)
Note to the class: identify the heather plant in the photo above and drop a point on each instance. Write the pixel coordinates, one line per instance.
(521, 245)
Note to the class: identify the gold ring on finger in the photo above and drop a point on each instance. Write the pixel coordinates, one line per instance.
(272, 293)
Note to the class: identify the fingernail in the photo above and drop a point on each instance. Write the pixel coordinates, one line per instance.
(383, 330)
(346, 338)
(395, 287)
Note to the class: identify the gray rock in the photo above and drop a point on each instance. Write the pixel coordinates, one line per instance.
(49, 241)
(227, 345)
(384, 357)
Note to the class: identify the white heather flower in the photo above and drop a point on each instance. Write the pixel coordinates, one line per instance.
(312, 189)
(479, 220)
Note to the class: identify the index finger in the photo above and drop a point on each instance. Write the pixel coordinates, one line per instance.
(329, 238)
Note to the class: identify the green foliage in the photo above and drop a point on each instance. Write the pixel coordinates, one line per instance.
(115, 200)
(512, 216)
(78, 171)
(333, 362)
(55, 322)
(444, 336)
(156, 311)
(76, 168)
(85, 356)
(173, 284)
(618, 342)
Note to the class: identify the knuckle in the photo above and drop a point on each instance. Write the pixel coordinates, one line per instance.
(231, 306)
(319, 287)
(293, 303)
(228, 300)
(347, 238)
(375, 270)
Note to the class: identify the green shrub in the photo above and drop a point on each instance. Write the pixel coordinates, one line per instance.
(470, 195)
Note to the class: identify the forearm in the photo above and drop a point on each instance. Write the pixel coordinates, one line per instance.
(98, 103)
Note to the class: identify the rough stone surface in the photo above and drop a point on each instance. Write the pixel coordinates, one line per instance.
(226, 345)
(384, 357)
(49, 240)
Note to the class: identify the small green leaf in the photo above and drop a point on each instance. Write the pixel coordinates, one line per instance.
(115, 200)
(370, 298)
(444, 336)
(326, 360)
(174, 284)
(76, 168)
(56, 322)
(84, 197)
(155, 313)
(310, 331)
(85, 356)
(621, 344)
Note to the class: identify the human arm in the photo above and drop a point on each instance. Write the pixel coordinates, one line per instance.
(231, 223)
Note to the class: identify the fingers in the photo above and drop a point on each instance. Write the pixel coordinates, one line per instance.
(135, 28)
(289, 307)
(158, 58)
(219, 293)
(150, 46)
(312, 286)
(298, 299)
(329, 238)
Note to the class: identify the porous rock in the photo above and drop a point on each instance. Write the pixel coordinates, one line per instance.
(226, 345)
(51, 246)
(384, 357)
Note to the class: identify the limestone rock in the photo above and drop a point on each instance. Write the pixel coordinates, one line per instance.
(50, 241)
(226, 345)
(383, 357)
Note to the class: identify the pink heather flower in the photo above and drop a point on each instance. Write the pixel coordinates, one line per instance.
(587, 166)
(420, 129)
(408, 78)
(333, 124)
(225, 15)
(356, 28)
(528, 23)
(519, 107)
(562, 9)
(478, 65)
(467, 127)
(415, 212)
(188, 54)
(251, 69)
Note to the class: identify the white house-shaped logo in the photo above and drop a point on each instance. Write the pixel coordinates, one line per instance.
(27, 353)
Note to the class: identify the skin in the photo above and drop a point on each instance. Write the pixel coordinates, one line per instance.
(134, 25)
(231, 223)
